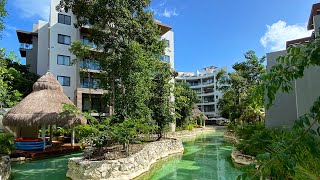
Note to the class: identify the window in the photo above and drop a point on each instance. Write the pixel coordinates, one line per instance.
(165, 58)
(167, 43)
(63, 39)
(64, 80)
(63, 60)
(217, 97)
(64, 19)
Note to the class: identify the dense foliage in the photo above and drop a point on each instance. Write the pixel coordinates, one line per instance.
(7, 144)
(239, 87)
(128, 50)
(24, 79)
(3, 14)
(185, 98)
(288, 153)
(8, 95)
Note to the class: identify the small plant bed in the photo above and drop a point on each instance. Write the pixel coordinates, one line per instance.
(112, 153)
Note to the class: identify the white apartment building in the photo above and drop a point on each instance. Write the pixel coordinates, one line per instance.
(205, 84)
(46, 48)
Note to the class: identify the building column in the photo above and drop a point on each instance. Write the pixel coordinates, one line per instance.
(72, 135)
(51, 133)
(43, 135)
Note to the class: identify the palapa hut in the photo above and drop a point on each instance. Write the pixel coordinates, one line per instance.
(41, 108)
(199, 115)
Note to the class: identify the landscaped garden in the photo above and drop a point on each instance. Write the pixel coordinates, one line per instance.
(283, 152)
(148, 113)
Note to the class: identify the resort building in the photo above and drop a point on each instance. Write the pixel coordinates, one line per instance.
(288, 107)
(46, 48)
(205, 84)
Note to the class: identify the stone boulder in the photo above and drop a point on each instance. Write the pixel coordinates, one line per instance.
(5, 168)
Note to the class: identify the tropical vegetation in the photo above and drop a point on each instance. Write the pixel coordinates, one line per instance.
(185, 99)
(284, 153)
(128, 49)
(239, 101)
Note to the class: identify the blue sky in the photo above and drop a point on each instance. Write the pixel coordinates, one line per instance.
(207, 32)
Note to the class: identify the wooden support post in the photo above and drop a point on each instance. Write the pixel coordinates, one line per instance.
(72, 135)
(51, 133)
(43, 135)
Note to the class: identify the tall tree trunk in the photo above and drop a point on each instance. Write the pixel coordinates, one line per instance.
(112, 99)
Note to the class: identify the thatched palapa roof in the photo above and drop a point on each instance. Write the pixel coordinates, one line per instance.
(196, 113)
(42, 106)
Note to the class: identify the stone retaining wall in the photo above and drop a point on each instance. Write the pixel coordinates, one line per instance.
(126, 168)
(242, 159)
(230, 136)
(5, 168)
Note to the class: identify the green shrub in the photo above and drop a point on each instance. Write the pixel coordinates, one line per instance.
(6, 143)
(256, 144)
(232, 126)
(189, 127)
(85, 131)
(197, 126)
(247, 129)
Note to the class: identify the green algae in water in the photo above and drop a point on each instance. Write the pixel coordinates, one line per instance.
(205, 157)
(45, 169)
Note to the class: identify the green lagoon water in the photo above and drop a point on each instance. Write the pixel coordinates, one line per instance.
(45, 169)
(205, 157)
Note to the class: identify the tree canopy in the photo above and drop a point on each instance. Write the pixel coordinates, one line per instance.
(128, 49)
(8, 95)
(3, 14)
(239, 87)
(185, 98)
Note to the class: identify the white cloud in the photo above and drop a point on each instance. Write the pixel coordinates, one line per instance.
(161, 9)
(33, 8)
(9, 27)
(8, 30)
(168, 13)
(278, 33)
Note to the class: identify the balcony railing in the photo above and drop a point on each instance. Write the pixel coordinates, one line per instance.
(90, 65)
(89, 83)
(194, 83)
(208, 100)
(86, 42)
(26, 46)
(208, 82)
(208, 91)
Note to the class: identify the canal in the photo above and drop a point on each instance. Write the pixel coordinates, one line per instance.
(206, 157)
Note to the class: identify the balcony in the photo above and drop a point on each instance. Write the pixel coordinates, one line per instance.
(209, 100)
(87, 42)
(92, 65)
(89, 83)
(208, 91)
(194, 83)
(209, 81)
(25, 47)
